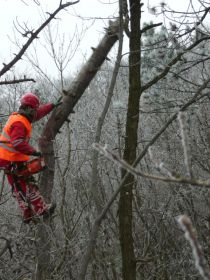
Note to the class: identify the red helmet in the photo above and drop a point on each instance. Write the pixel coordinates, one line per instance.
(30, 99)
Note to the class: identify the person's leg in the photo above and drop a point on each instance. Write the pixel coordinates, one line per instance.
(29, 198)
(19, 192)
(37, 201)
(39, 205)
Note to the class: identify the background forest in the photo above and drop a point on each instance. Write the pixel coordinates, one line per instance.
(127, 152)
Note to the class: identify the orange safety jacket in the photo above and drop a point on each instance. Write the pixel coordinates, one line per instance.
(7, 151)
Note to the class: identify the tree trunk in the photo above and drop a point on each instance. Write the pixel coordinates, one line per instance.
(55, 122)
(126, 194)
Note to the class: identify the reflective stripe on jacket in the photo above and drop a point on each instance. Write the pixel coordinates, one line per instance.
(7, 151)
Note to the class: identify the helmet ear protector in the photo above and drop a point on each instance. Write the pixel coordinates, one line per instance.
(30, 99)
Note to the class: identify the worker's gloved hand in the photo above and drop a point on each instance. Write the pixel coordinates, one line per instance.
(37, 154)
(58, 102)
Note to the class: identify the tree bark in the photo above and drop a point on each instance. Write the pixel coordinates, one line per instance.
(132, 121)
(55, 122)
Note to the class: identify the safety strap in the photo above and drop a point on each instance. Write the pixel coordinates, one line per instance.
(18, 187)
(16, 183)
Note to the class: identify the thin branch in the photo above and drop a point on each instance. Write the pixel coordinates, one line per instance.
(194, 99)
(7, 82)
(206, 11)
(34, 35)
(190, 235)
(170, 64)
(148, 27)
(101, 216)
(185, 142)
(175, 179)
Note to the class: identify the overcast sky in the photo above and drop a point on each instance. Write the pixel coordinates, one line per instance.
(78, 17)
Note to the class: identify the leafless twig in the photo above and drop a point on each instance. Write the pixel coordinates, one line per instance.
(190, 235)
(9, 82)
(33, 36)
(122, 163)
(185, 144)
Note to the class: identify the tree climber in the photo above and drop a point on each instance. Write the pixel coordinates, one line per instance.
(15, 151)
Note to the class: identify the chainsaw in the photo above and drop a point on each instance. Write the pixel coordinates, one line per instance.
(31, 167)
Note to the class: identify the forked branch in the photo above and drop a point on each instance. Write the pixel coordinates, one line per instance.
(33, 36)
